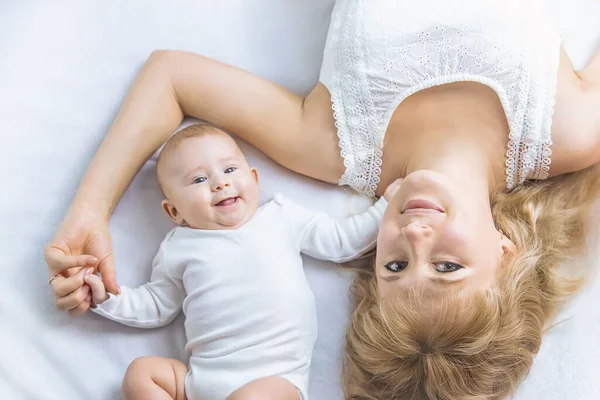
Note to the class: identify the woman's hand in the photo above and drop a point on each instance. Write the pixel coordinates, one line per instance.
(83, 240)
(72, 294)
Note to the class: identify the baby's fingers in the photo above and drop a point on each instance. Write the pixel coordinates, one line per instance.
(99, 295)
(392, 189)
(396, 184)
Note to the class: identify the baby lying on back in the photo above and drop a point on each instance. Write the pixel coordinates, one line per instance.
(236, 270)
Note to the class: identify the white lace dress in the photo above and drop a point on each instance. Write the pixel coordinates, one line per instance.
(379, 52)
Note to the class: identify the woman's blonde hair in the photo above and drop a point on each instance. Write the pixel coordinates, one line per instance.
(477, 346)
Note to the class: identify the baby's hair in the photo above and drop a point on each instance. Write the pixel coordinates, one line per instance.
(192, 131)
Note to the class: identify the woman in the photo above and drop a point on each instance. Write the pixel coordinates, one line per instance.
(461, 98)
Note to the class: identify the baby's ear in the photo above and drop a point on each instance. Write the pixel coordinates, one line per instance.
(172, 212)
(254, 173)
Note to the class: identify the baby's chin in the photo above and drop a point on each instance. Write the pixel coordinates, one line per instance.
(225, 222)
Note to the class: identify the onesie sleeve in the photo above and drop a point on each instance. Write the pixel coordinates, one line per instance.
(151, 305)
(338, 240)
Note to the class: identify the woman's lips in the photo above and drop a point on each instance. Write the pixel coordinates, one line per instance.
(420, 206)
(227, 202)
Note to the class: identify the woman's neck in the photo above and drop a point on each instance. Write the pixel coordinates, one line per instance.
(459, 130)
(460, 158)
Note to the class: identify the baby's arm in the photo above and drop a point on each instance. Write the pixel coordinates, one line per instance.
(151, 305)
(342, 240)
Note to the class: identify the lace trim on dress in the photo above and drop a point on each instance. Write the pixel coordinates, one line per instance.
(543, 165)
(360, 146)
(363, 167)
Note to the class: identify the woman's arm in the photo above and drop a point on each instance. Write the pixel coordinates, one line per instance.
(576, 121)
(297, 133)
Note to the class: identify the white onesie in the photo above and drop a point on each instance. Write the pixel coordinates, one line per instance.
(249, 310)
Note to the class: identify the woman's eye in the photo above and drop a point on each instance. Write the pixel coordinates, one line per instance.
(447, 267)
(396, 266)
(199, 179)
(229, 170)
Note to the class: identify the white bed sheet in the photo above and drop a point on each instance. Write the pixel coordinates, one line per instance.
(64, 70)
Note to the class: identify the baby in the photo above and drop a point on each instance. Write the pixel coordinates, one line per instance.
(236, 270)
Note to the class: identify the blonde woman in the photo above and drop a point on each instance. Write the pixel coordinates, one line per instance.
(468, 101)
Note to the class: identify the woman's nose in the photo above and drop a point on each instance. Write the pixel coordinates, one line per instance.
(419, 240)
(415, 232)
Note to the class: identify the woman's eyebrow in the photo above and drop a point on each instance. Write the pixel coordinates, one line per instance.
(389, 278)
(446, 281)
(435, 279)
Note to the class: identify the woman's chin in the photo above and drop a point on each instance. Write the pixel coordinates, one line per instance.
(427, 185)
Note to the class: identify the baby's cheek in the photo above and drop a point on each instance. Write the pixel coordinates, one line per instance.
(200, 211)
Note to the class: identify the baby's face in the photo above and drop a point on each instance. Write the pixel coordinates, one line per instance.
(209, 184)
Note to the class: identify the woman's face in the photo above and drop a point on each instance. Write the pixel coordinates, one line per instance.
(436, 234)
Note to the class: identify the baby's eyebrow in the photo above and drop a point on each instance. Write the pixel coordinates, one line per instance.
(230, 158)
(192, 172)
(199, 169)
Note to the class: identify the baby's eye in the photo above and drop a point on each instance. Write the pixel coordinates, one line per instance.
(230, 170)
(445, 267)
(200, 179)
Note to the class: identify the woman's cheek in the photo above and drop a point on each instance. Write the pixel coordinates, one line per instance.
(387, 239)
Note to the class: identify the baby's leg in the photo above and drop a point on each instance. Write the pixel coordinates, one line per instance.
(271, 388)
(155, 378)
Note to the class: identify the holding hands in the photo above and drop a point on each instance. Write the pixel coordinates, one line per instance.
(81, 288)
(81, 247)
(99, 293)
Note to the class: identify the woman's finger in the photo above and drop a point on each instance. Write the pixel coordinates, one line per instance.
(80, 309)
(58, 260)
(62, 286)
(72, 300)
(98, 291)
(106, 267)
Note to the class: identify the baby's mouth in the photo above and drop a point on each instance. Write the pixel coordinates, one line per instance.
(228, 202)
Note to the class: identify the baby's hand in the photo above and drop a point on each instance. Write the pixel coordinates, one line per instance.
(99, 295)
(392, 189)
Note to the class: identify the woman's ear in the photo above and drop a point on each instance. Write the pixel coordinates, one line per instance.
(508, 247)
(172, 212)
